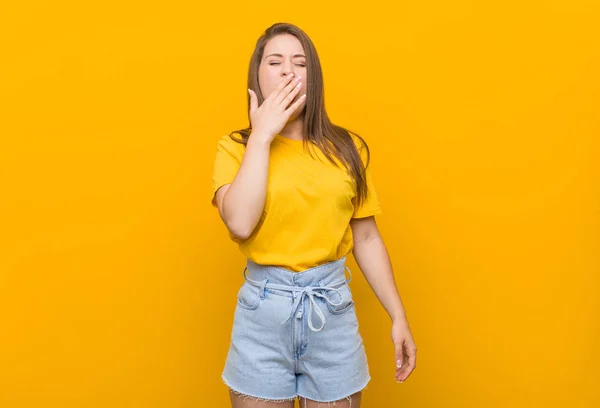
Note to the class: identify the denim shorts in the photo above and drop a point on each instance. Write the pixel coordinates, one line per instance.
(295, 334)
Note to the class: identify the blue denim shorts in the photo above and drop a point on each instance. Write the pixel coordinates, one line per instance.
(295, 334)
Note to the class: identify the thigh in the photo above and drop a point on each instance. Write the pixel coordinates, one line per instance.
(335, 363)
(352, 401)
(243, 401)
(260, 359)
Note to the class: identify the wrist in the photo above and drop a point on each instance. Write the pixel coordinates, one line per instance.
(399, 317)
(260, 138)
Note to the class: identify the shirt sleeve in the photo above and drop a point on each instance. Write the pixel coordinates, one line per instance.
(227, 162)
(371, 205)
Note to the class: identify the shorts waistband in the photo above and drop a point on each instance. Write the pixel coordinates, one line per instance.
(308, 284)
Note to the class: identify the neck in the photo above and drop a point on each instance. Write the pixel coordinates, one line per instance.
(294, 129)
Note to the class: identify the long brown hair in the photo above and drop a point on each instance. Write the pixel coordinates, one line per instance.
(331, 139)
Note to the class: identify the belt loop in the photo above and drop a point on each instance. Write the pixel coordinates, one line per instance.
(262, 288)
(349, 273)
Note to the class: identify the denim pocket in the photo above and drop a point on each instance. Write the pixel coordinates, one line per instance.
(248, 296)
(346, 302)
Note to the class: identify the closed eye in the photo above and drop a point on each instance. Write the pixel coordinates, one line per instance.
(277, 63)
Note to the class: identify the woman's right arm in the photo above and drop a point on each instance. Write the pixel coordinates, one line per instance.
(242, 202)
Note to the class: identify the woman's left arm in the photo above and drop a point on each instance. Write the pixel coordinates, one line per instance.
(373, 260)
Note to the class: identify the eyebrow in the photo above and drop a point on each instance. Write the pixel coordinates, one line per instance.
(280, 55)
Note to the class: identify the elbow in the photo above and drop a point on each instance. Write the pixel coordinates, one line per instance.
(237, 225)
(240, 230)
(241, 235)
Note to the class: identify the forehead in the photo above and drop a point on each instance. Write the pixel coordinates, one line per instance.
(285, 44)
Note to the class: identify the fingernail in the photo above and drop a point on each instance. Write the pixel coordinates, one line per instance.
(398, 363)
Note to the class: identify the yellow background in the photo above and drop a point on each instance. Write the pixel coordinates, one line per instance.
(118, 279)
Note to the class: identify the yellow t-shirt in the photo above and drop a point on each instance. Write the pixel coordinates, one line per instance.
(309, 204)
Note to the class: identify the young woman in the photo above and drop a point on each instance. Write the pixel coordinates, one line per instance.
(295, 193)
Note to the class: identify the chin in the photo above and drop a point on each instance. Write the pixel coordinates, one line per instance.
(298, 114)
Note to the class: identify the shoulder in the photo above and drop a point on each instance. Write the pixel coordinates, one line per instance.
(228, 144)
(232, 140)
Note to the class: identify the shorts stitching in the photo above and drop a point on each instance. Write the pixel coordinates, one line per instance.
(363, 388)
(254, 397)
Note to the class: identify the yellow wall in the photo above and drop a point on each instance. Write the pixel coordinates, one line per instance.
(118, 280)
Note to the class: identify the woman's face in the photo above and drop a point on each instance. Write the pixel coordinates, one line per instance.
(283, 54)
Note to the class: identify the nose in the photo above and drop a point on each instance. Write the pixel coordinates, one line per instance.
(287, 67)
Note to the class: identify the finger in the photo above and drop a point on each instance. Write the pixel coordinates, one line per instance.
(399, 355)
(405, 373)
(288, 99)
(253, 100)
(289, 111)
(411, 363)
(286, 90)
(412, 358)
(401, 368)
(282, 84)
